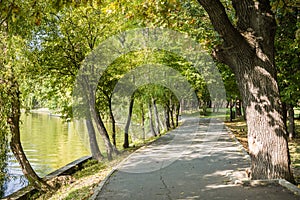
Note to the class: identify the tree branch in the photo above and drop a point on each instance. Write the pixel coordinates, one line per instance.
(220, 21)
(252, 16)
(244, 12)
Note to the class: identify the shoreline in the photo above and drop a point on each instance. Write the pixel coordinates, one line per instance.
(68, 169)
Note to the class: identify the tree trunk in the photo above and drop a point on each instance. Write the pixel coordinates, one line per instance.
(113, 122)
(238, 109)
(177, 114)
(248, 49)
(15, 143)
(167, 117)
(156, 116)
(110, 149)
(291, 124)
(171, 113)
(266, 130)
(231, 111)
(143, 121)
(244, 111)
(284, 113)
(126, 139)
(172, 117)
(96, 153)
(103, 132)
(150, 119)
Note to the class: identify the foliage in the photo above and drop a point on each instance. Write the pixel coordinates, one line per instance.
(288, 50)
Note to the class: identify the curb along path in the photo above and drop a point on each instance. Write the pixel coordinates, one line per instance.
(198, 160)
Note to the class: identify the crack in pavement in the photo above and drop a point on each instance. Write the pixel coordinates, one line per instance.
(166, 187)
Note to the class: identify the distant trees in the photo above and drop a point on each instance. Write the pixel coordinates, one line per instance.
(287, 58)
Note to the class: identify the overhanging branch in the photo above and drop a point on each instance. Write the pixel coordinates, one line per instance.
(220, 21)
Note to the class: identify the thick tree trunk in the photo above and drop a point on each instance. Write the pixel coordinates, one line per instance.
(15, 143)
(266, 130)
(96, 153)
(291, 124)
(248, 49)
(126, 139)
(156, 116)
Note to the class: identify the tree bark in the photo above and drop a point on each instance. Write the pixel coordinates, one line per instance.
(248, 49)
(96, 153)
(15, 143)
(126, 139)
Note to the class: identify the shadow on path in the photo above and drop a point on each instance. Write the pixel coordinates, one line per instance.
(198, 160)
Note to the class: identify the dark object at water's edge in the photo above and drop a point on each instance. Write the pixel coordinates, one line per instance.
(69, 169)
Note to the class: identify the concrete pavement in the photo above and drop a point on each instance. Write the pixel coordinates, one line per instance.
(198, 160)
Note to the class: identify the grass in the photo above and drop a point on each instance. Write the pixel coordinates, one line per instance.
(79, 194)
(239, 129)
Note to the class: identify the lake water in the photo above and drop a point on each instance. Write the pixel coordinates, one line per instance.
(49, 143)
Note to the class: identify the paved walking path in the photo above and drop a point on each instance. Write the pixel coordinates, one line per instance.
(199, 160)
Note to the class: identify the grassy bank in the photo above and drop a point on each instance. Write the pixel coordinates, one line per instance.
(239, 128)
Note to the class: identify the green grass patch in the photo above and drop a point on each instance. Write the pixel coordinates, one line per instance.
(89, 168)
(82, 193)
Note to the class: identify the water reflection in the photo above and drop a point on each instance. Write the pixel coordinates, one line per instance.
(49, 143)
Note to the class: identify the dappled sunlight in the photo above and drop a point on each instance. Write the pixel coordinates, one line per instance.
(216, 186)
(187, 143)
(208, 146)
(205, 163)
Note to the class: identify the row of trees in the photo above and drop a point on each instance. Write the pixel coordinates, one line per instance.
(44, 44)
(45, 60)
